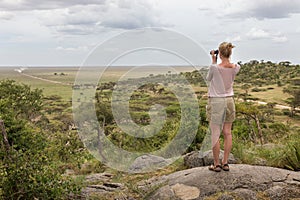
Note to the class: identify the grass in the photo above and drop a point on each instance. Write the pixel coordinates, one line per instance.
(70, 73)
(275, 95)
(247, 153)
(49, 89)
(288, 120)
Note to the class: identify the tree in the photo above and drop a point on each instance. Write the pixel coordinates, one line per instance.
(22, 100)
(27, 171)
(294, 91)
(246, 88)
(251, 114)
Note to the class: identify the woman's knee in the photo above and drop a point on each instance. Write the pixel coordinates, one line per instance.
(227, 133)
(227, 129)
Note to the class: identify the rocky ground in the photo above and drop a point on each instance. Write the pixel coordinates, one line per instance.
(241, 182)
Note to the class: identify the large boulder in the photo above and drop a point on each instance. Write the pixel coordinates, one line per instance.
(199, 159)
(241, 182)
(147, 163)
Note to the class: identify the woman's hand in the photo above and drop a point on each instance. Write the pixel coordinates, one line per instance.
(213, 57)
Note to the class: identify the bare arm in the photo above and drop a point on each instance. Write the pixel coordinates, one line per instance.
(214, 61)
(210, 73)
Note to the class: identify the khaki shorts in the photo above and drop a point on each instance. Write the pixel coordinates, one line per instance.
(220, 110)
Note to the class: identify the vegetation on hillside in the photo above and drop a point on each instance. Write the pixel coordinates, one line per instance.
(256, 126)
(39, 141)
(33, 150)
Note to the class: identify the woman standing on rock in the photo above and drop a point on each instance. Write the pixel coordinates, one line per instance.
(221, 107)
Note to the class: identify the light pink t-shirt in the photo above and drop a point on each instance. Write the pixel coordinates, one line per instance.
(221, 80)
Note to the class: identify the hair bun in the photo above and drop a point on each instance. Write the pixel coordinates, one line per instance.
(230, 45)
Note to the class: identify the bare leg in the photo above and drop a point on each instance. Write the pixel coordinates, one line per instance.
(215, 135)
(227, 141)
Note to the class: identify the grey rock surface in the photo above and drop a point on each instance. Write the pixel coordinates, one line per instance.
(148, 163)
(100, 177)
(100, 184)
(199, 159)
(241, 182)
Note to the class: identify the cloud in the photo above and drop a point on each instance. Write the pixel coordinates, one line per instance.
(258, 9)
(258, 34)
(79, 48)
(131, 15)
(75, 29)
(77, 17)
(280, 39)
(76, 20)
(44, 5)
(274, 8)
(236, 38)
(4, 15)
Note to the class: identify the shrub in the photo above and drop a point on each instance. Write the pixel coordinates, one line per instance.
(286, 112)
(27, 168)
(291, 158)
(32, 175)
(256, 89)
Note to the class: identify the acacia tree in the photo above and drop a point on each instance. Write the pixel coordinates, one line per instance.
(251, 114)
(294, 91)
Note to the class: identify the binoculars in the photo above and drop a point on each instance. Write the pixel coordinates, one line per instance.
(215, 52)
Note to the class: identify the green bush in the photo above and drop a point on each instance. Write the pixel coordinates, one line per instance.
(291, 158)
(286, 112)
(32, 175)
(28, 169)
(256, 89)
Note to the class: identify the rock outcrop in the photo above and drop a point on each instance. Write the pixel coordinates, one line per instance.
(100, 184)
(147, 163)
(241, 182)
(199, 159)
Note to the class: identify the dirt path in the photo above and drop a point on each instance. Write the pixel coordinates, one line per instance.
(278, 106)
(43, 79)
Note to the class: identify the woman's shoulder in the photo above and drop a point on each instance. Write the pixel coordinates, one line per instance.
(214, 66)
(229, 66)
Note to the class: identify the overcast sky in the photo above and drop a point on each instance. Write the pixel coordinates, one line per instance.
(55, 32)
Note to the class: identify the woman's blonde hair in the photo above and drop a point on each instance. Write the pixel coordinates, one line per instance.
(225, 49)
